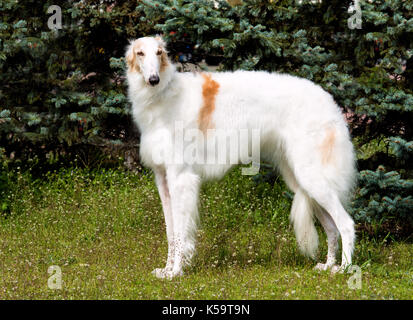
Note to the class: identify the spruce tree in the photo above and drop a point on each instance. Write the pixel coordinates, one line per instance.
(62, 90)
(366, 67)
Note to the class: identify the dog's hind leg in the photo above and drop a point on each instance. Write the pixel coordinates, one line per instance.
(332, 237)
(345, 226)
(303, 213)
(162, 185)
(324, 169)
(327, 198)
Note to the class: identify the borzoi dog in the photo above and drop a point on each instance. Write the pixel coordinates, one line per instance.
(301, 132)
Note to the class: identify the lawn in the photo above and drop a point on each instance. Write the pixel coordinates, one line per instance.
(105, 231)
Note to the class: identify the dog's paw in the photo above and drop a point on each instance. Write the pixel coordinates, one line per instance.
(322, 267)
(166, 273)
(161, 273)
(338, 269)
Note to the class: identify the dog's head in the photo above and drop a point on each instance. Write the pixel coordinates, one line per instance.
(147, 56)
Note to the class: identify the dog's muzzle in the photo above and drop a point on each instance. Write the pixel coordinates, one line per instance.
(154, 80)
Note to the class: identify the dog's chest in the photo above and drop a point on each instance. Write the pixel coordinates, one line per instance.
(156, 146)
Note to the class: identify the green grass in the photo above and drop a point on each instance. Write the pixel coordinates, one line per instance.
(105, 231)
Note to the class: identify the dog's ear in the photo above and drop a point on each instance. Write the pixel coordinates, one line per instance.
(164, 56)
(161, 42)
(131, 57)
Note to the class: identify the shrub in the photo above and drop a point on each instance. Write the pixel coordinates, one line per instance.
(366, 69)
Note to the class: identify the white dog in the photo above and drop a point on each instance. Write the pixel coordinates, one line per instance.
(301, 131)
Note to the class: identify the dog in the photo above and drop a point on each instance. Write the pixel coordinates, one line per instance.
(302, 132)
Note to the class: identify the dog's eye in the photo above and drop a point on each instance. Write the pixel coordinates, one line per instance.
(159, 52)
(140, 53)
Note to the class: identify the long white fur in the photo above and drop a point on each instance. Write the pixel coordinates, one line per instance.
(294, 117)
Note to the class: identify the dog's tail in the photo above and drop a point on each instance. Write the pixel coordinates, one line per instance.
(302, 220)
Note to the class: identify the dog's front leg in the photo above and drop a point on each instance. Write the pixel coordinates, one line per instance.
(162, 185)
(183, 188)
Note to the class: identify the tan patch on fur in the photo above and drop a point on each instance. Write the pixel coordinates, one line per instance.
(159, 39)
(164, 60)
(209, 91)
(164, 55)
(327, 146)
(131, 57)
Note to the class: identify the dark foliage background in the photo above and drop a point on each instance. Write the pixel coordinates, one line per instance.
(62, 93)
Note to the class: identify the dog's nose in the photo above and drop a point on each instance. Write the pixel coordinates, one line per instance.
(154, 80)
